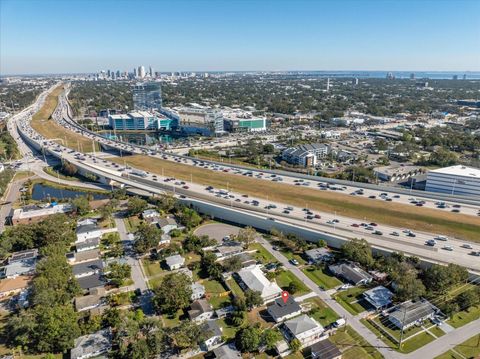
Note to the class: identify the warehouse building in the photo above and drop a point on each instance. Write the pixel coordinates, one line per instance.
(460, 180)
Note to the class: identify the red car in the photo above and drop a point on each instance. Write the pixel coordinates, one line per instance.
(355, 225)
(317, 216)
(373, 224)
(185, 187)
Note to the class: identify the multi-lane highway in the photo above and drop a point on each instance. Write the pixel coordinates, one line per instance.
(385, 236)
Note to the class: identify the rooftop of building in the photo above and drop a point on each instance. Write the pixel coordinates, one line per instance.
(301, 324)
(459, 170)
(409, 312)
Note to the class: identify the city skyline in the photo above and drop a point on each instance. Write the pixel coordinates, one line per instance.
(86, 36)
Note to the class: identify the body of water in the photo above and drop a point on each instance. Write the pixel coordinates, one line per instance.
(42, 192)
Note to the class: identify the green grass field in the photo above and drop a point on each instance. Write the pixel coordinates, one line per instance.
(325, 315)
(350, 299)
(284, 278)
(261, 253)
(468, 349)
(353, 346)
(320, 278)
(236, 290)
(464, 317)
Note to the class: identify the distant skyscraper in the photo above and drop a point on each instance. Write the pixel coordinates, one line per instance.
(135, 74)
(390, 76)
(118, 73)
(412, 76)
(147, 96)
(141, 72)
(355, 82)
(150, 71)
(328, 84)
(464, 76)
(455, 77)
(108, 73)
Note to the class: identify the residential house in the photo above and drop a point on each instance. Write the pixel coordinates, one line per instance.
(213, 335)
(167, 224)
(87, 245)
(164, 239)
(379, 297)
(11, 286)
(281, 310)
(410, 313)
(227, 351)
(18, 268)
(351, 273)
(34, 214)
(88, 283)
(88, 231)
(324, 349)
(200, 310)
(319, 255)
(253, 278)
(21, 256)
(307, 330)
(198, 291)
(83, 256)
(175, 262)
(86, 269)
(227, 251)
(86, 221)
(92, 345)
(88, 302)
(150, 213)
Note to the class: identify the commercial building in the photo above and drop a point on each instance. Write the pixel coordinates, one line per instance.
(396, 173)
(141, 120)
(201, 120)
(256, 124)
(306, 155)
(453, 180)
(147, 96)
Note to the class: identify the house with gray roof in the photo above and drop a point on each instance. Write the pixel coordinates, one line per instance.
(198, 291)
(213, 335)
(227, 351)
(86, 269)
(319, 255)
(91, 282)
(410, 313)
(92, 345)
(324, 349)
(175, 262)
(200, 310)
(304, 328)
(19, 267)
(351, 273)
(281, 310)
(87, 245)
(167, 224)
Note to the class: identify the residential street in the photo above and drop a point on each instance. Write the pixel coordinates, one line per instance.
(13, 192)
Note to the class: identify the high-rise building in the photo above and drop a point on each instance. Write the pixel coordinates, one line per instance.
(412, 76)
(455, 77)
(147, 96)
(355, 82)
(150, 71)
(135, 72)
(141, 72)
(328, 84)
(118, 73)
(464, 76)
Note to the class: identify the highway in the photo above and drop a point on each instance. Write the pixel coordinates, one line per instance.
(327, 223)
(436, 201)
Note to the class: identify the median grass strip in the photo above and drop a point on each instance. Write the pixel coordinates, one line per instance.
(320, 278)
(44, 124)
(395, 214)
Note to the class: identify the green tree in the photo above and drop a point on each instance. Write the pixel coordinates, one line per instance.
(468, 298)
(248, 339)
(295, 345)
(189, 217)
(358, 250)
(136, 206)
(292, 288)
(187, 335)
(117, 273)
(81, 205)
(146, 237)
(232, 264)
(210, 265)
(253, 298)
(173, 293)
(246, 236)
(270, 337)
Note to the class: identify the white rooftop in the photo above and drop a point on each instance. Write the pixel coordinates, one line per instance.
(255, 280)
(459, 170)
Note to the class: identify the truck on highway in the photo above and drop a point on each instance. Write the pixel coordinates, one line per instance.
(139, 173)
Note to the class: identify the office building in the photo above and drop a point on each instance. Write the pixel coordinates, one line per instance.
(306, 155)
(141, 72)
(256, 124)
(139, 120)
(150, 71)
(147, 96)
(201, 120)
(460, 180)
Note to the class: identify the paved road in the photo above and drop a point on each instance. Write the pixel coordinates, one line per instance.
(371, 338)
(12, 194)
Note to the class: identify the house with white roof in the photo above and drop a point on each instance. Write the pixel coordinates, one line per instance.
(253, 278)
(174, 262)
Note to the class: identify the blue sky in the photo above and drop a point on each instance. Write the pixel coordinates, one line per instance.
(42, 36)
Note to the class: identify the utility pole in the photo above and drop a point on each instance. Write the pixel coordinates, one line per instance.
(403, 325)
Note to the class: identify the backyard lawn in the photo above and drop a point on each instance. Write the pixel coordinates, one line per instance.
(236, 290)
(284, 278)
(228, 331)
(152, 268)
(217, 295)
(320, 278)
(351, 298)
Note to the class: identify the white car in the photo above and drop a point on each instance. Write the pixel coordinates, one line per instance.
(448, 248)
(467, 246)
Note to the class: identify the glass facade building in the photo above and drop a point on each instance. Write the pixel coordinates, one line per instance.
(147, 96)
